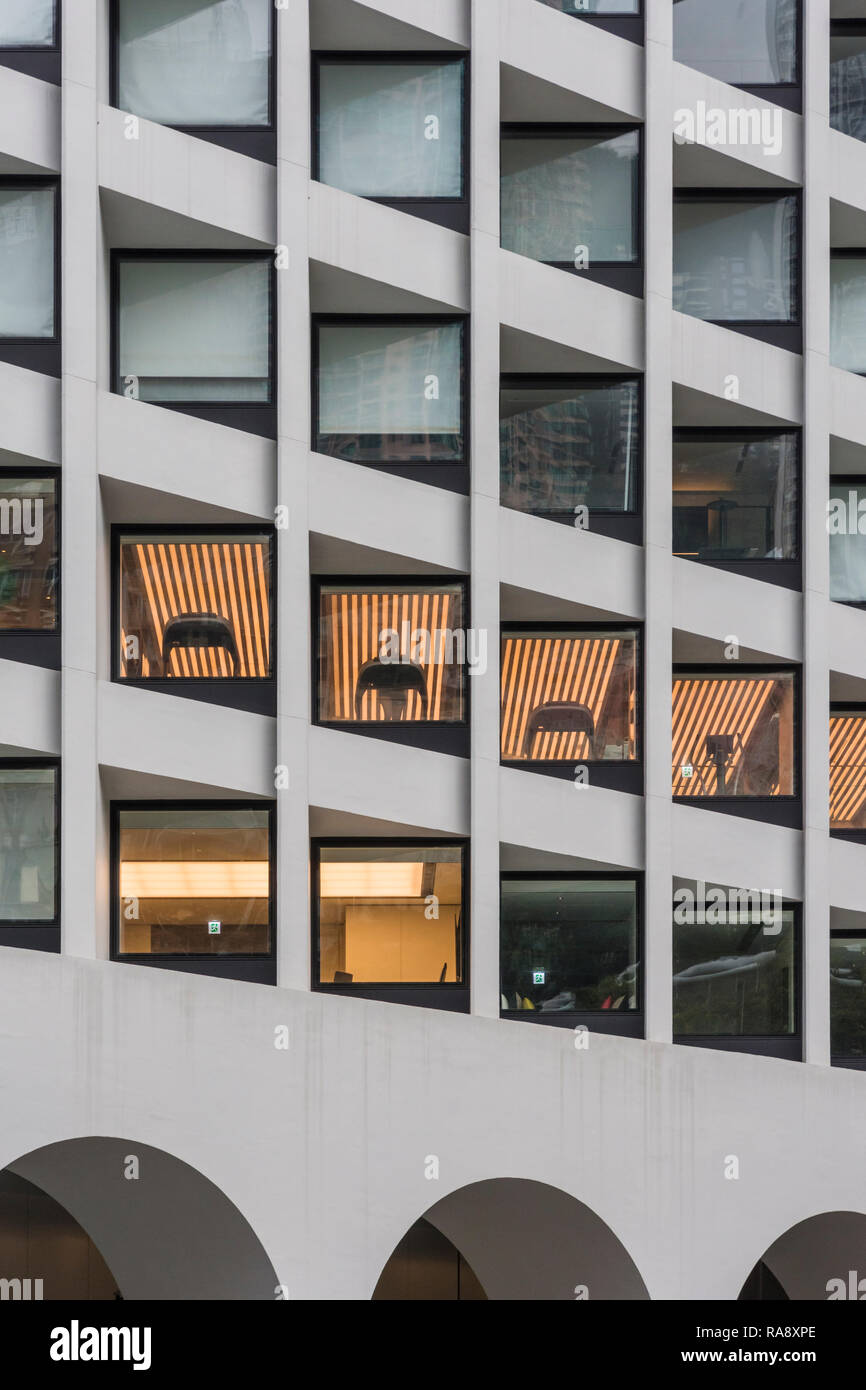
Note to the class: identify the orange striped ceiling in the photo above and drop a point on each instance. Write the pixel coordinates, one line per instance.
(352, 624)
(538, 670)
(230, 579)
(847, 768)
(707, 705)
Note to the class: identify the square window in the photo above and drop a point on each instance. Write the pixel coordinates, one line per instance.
(194, 330)
(847, 995)
(571, 197)
(569, 945)
(754, 47)
(28, 286)
(570, 695)
(392, 128)
(847, 769)
(848, 310)
(734, 968)
(734, 734)
(392, 653)
(390, 913)
(570, 445)
(848, 78)
(735, 495)
(390, 391)
(846, 526)
(206, 64)
(29, 844)
(27, 24)
(29, 569)
(737, 257)
(179, 869)
(194, 606)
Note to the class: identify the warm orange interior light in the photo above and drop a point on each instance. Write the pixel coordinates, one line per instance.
(209, 878)
(350, 880)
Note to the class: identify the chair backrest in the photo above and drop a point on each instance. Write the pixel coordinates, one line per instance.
(392, 679)
(198, 630)
(557, 717)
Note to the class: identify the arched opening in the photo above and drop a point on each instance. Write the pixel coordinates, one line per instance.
(510, 1238)
(821, 1258)
(136, 1216)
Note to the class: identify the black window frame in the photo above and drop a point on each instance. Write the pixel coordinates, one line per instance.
(844, 1059)
(39, 936)
(775, 332)
(38, 646)
(253, 417)
(450, 997)
(788, 573)
(788, 95)
(854, 708)
(786, 811)
(255, 969)
(624, 25)
(43, 61)
(626, 1025)
(622, 526)
(452, 213)
(439, 736)
(625, 276)
(788, 1046)
(452, 477)
(615, 776)
(257, 142)
(257, 694)
(39, 354)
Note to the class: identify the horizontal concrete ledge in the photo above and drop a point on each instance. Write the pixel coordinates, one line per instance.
(848, 407)
(736, 851)
(592, 572)
(603, 71)
(728, 365)
(594, 827)
(372, 778)
(389, 24)
(29, 124)
(847, 640)
(201, 185)
(29, 710)
(765, 619)
(187, 740)
(742, 162)
(179, 455)
(30, 412)
(847, 877)
(556, 306)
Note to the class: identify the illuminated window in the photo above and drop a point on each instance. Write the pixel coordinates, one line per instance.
(392, 653)
(29, 844)
(735, 495)
(570, 695)
(390, 913)
(193, 881)
(848, 995)
(847, 769)
(194, 606)
(569, 945)
(28, 553)
(733, 734)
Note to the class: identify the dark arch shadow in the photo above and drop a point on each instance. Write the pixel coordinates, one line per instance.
(169, 1233)
(517, 1239)
(820, 1258)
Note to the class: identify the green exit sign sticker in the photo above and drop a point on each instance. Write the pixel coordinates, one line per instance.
(214, 928)
(538, 977)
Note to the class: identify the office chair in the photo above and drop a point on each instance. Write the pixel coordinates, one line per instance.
(197, 630)
(557, 717)
(392, 682)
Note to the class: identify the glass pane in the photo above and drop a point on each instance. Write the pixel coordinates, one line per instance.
(753, 43)
(569, 696)
(27, 262)
(848, 996)
(582, 7)
(735, 497)
(736, 260)
(848, 84)
(27, 23)
(736, 978)
(569, 446)
(733, 734)
(28, 554)
(392, 654)
(567, 192)
(28, 844)
(195, 330)
(848, 770)
(846, 525)
(195, 607)
(391, 914)
(195, 62)
(194, 883)
(569, 945)
(392, 130)
(391, 392)
(848, 312)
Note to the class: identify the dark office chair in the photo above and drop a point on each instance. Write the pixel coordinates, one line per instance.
(557, 717)
(721, 751)
(392, 682)
(343, 977)
(196, 630)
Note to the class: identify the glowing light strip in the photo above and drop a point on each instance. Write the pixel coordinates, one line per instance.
(211, 878)
(361, 880)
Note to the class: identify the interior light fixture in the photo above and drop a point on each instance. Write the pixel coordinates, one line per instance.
(206, 878)
(359, 880)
